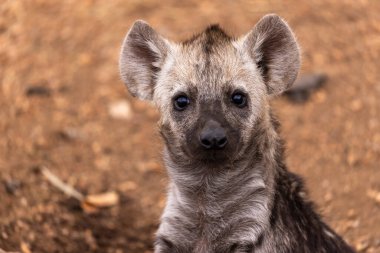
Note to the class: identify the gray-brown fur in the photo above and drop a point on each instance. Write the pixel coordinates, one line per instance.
(239, 198)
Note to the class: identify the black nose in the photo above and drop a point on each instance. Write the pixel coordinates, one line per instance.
(213, 136)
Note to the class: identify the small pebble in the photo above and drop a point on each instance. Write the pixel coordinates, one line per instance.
(120, 110)
(304, 87)
(38, 91)
(11, 186)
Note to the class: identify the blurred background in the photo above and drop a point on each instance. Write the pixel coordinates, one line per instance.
(64, 109)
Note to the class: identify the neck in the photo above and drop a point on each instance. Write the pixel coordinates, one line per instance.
(220, 204)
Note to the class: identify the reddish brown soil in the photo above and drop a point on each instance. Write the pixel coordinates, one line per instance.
(71, 49)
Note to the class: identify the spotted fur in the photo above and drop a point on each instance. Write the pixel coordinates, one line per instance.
(243, 198)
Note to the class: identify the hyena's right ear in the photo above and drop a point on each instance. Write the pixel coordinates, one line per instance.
(142, 55)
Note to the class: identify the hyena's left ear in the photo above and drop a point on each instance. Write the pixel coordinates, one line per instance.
(273, 47)
(142, 55)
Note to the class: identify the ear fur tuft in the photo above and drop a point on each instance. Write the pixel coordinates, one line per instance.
(142, 55)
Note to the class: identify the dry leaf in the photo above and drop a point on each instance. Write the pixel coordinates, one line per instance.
(25, 248)
(89, 209)
(3, 251)
(127, 186)
(375, 195)
(107, 199)
(90, 239)
(57, 182)
(362, 246)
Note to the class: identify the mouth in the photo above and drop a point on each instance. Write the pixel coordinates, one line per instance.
(213, 157)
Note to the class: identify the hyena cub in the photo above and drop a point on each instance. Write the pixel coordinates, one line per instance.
(230, 190)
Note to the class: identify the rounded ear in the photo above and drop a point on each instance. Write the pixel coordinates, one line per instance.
(273, 47)
(142, 55)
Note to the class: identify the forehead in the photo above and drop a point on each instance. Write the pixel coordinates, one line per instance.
(209, 50)
(208, 65)
(208, 62)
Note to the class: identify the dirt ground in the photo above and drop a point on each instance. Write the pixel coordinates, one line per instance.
(59, 87)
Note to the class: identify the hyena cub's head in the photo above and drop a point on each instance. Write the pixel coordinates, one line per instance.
(211, 90)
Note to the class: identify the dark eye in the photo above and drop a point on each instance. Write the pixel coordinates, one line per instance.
(181, 102)
(239, 99)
